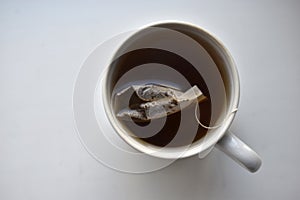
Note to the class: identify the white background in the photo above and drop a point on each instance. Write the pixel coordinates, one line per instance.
(42, 46)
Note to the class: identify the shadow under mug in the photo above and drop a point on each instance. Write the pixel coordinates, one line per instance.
(220, 137)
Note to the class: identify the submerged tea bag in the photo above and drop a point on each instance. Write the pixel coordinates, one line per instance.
(158, 101)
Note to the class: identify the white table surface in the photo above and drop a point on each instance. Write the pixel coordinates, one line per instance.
(42, 46)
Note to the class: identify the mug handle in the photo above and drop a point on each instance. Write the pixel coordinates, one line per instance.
(239, 151)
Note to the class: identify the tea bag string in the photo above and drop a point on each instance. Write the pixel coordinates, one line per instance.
(216, 126)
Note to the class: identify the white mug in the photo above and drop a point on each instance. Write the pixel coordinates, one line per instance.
(219, 136)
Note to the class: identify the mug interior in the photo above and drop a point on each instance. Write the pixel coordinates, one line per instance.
(226, 68)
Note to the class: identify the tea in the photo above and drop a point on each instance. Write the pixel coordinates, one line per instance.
(144, 66)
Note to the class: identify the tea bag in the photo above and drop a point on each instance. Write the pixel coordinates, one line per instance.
(158, 101)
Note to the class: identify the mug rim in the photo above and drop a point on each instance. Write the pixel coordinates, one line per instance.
(187, 149)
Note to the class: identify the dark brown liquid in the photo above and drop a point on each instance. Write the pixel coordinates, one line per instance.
(151, 65)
